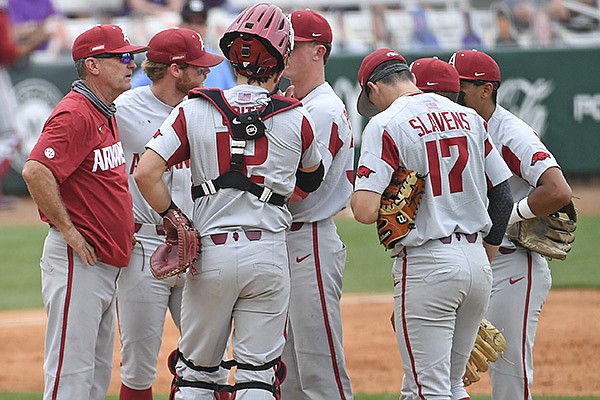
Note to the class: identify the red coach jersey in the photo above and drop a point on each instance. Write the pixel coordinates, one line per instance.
(83, 150)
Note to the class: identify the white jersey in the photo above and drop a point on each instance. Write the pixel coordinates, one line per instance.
(196, 129)
(334, 137)
(522, 150)
(139, 115)
(450, 146)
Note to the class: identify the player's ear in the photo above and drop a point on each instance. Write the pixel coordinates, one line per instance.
(175, 70)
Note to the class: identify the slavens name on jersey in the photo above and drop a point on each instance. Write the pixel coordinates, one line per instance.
(136, 159)
(108, 157)
(433, 122)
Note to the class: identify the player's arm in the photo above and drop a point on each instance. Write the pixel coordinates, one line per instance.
(44, 190)
(309, 179)
(499, 209)
(365, 206)
(149, 178)
(551, 193)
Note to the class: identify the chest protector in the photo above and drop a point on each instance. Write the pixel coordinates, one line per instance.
(242, 127)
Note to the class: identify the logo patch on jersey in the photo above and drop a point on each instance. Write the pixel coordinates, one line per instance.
(49, 153)
(432, 105)
(539, 156)
(157, 134)
(244, 97)
(364, 172)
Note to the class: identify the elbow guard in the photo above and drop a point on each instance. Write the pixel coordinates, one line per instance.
(499, 209)
(310, 181)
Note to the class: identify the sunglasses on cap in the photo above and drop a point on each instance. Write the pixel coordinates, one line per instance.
(125, 58)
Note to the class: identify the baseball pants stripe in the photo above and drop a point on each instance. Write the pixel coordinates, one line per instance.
(524, 337)
(319, 275)
(64, 323)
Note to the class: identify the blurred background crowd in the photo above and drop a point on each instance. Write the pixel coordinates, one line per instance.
(359, 26)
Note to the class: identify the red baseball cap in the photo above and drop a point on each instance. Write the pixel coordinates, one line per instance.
(433, 74)
(180, 45)
(310, 26)
(102, 39)
(368, 65)
(475, 65)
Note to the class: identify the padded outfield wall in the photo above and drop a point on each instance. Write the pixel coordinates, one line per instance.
(556, 91)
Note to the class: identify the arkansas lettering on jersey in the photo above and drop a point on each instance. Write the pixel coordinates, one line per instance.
(108, 157)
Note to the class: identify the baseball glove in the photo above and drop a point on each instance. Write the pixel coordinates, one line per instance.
(549, 236)
(399, 204)
(488, 344)
(181, 248)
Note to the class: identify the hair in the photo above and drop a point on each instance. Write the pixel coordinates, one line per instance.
(155, 71)
(80, 68)
(327, 51)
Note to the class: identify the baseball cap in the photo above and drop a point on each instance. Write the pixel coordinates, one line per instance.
(310, 26)
(475, 65)
(433, 74)
(368, 65)
(180, 45)
(102, 39)
(194, 8)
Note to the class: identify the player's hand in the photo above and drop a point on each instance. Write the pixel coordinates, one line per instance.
(84, 250)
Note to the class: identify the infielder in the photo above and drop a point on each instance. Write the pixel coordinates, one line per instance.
(442, 276)
(522, 278)
(314, 352)
(247, 149)
(76, 174)
(176, 62)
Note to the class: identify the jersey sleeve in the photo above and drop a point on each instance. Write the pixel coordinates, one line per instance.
(496, 169)
(373, 173)
(170, 141)
(65, 142)
(310, 152)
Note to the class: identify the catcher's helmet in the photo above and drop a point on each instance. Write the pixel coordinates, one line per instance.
(258, 41)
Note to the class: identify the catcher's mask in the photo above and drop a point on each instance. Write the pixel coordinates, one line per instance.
(258, 41)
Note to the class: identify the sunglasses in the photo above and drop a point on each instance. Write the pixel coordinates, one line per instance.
(125, 58)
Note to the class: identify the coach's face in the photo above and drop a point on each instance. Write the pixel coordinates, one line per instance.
(114, 73)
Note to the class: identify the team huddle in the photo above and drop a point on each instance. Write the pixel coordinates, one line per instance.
(218, 204)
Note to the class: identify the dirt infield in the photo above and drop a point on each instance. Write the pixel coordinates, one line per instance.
(566, 351)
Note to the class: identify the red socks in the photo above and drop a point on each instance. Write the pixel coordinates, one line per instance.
(132, 394)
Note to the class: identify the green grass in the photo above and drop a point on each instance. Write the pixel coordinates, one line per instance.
(368, 269)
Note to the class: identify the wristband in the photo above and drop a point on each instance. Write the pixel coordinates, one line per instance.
(521, 211)
(172, 206)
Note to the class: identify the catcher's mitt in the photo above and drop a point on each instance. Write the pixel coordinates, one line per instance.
(549, 236)
(488, 344)
(399, 204)
(181, 248)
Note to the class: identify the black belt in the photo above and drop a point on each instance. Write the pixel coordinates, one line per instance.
(471, 238)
